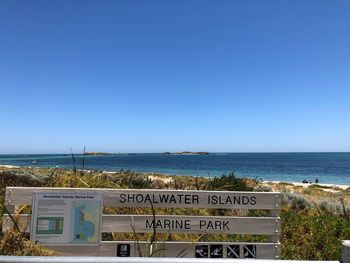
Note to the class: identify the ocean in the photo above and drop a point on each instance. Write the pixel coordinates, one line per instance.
(331, 168)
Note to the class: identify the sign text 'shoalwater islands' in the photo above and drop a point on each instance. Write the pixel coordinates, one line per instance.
(166, 198)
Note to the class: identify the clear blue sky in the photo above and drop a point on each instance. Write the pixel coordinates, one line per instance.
(153, 76)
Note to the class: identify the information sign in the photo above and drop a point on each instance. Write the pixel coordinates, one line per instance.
(66, 218)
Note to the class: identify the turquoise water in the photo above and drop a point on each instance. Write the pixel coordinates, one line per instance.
(291, 167)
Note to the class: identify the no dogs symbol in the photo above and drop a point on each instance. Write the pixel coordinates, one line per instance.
(233, 251)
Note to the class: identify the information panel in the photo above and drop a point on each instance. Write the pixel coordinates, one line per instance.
(66, 218)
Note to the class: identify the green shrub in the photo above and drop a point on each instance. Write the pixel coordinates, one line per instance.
(14, 178)
(328, 206)
(295, 201)
(130, 179)
(313, 236)
(15, 244)
(229, 183)
(285, 184)
(264, 188)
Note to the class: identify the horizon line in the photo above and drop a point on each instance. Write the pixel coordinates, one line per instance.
(214, 152)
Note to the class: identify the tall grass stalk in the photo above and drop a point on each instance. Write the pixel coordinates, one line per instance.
(74, 163)
(14, 221)
(82, 171)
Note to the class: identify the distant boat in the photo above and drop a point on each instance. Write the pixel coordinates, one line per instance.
(35, 162)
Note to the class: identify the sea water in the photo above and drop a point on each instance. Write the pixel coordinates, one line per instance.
(331, 168)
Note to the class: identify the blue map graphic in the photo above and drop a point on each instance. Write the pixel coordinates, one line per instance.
(83, 230)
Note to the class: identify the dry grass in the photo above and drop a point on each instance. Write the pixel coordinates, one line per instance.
(15, 244)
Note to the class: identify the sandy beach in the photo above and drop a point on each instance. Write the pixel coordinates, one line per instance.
(305, 185)
(165, 178)
(8, 166)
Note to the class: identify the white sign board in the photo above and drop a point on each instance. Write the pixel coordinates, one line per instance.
(66, 218)
(191, 224)
(160, 198)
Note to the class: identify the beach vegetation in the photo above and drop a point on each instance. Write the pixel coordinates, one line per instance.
(330, 206)
(324, 187)
(131, 179)
(312, 235)
(347, 190)
(264, 188)
(295, 201)
(229, 182)
(14, 243)
(285, 184)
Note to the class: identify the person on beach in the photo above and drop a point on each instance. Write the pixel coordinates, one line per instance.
(316, 180)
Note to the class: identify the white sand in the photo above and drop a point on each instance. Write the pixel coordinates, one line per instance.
(8, 166)
(166, 180)
(341, 186)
